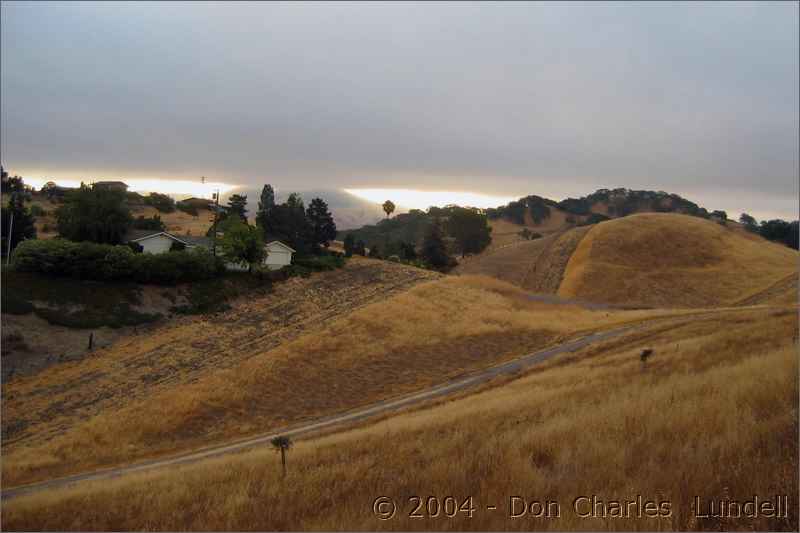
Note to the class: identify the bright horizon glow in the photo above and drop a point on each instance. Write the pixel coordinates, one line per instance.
(172, 187)
(416, 199)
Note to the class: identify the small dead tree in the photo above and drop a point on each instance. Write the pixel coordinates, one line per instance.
(645, 355)
(282, 443)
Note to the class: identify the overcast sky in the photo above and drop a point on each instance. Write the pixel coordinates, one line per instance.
(506, 99)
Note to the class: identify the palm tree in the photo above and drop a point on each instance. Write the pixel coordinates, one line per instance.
(388, 208)
(282, 443)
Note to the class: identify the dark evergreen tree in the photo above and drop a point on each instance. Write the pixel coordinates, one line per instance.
(237, 205)
(323, 228)
(287, 222)
(265, 204)
(434, 249)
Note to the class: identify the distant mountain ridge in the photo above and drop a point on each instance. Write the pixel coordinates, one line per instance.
(610, 203)
(540, 214)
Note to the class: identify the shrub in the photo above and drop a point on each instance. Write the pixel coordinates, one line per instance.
(187, 208)
(153, 223)
(102, 262)
(317, 263)
(37, 211)
(162, 202)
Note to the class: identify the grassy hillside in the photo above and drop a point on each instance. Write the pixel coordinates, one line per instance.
(713, 414)
(673, 260)
(537, 265)
(219, 379)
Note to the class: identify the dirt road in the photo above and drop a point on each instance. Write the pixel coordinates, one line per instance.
(450, 387)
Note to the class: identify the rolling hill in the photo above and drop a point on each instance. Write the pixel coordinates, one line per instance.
(669, 260)
(526, 437)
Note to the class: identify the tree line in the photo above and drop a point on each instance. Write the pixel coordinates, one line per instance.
(103, 216)
(425, 238)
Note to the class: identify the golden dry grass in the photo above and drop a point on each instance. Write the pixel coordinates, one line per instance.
(179, 222)
(424, 336)
(714, 414)
(536, 265)
(671, 260)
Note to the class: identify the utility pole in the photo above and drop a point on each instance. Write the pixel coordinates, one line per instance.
(10, 235)
(216, 216)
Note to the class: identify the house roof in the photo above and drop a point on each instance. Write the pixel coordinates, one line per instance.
(137, 235)
(282, 245)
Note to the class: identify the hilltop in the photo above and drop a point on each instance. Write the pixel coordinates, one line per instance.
(539, 215)
(673, 260)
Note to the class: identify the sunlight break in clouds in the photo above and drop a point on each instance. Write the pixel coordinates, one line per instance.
(414, 199)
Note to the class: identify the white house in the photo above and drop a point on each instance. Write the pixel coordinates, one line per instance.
(277, 254)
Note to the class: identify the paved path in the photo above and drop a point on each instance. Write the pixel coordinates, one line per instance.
(452, 386)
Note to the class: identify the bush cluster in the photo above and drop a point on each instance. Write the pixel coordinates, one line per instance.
(103, 262)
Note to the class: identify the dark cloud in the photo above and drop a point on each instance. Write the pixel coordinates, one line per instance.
(553, 99)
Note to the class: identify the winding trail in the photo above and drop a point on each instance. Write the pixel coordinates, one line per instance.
(455, 385)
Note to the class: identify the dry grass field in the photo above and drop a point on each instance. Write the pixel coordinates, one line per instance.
(536, 265)
(158, 357)
(199, 383)
(671, 260)
(177, 222)
(712, 414)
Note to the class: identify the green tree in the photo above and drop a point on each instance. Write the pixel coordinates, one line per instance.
(162, 202)
(323, 228)
(470, 229)
(388, 208)
(749, 223)
(434, 249)
(265, 204)
(349, 245)
(10, 184)
(288, 222)
(18, 219)
(721, 216)
(241, 243)
(155, 223)
(237, 205)
(779, 230)
(282, 444)
(95, 214)
(408, 251)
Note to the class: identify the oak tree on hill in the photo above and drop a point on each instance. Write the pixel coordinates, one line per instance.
(470, 229)
(434, 249)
